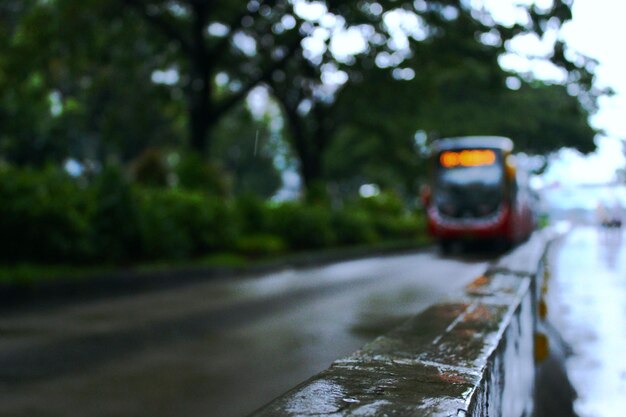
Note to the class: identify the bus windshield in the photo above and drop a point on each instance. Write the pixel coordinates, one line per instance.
(469, 183)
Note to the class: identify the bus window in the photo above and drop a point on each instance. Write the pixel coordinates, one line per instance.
(469, 188)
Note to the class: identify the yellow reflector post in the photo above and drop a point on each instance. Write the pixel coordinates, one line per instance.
(467, 158)
(542, 347)
(543, 309)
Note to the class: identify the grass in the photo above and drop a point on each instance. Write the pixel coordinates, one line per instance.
(32, 274)
(221, 259)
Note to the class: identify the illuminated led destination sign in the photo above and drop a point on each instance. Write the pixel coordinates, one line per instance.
(467, 158)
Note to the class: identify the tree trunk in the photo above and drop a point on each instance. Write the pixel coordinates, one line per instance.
(199, 88)
(311, 170)
(310, 152)
(199, 118)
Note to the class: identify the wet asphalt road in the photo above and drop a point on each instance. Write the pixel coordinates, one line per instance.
(220, 348)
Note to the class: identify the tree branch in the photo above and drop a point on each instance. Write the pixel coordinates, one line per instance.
(235, 24)
(230, 101)
(160, 22)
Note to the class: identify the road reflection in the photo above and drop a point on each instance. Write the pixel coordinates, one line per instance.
(586, 306)
(609, 244)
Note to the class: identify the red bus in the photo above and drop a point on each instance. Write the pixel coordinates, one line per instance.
(475, 193)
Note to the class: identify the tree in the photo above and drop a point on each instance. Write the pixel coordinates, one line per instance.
(160, 58)
(309, 130)
(78, 84)
(546, 119)
(243, 43)
(95, 79)
(441, 74)
(244, 146)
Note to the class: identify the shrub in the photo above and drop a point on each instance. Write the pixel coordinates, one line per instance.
(115, 218)
(149, 168)
(254, 214)
(385, 204)
(301, 226)
(260, 245)
(222, 222)
(47, 216)
(408, 226)
(162, 235)
(43, 216)
(179, 223)
(194, 173)
(389, 216)
(353, 226)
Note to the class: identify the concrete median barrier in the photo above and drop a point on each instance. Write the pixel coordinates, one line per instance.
(472, 354)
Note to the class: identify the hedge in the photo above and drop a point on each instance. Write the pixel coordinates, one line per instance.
(47, 216)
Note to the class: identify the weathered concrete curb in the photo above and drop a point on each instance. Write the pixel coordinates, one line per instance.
(470, 355)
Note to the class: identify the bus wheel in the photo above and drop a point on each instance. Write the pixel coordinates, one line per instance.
(445, 246)
(505, 244)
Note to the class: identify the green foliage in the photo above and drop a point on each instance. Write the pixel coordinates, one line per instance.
(46, 216)
(260, 235)
(353, 226)
(303, 226)
(539, 117)
(390, 217)
(115, 218)
(543, 221)
(163, 226)
(194, 173)
(384, 204)
(316, 192)
(254, 213)
(179, 224)
(43, 216)
(77, 83)
(543, 118)
(260, 245)
(49, 217)
(408, 226)
(101, 81)
(243, 145)
(448, 79)
(222, 223)
(150, 168)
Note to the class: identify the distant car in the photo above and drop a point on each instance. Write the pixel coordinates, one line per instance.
(609, 218)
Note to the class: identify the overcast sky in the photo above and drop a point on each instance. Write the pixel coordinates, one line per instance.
(598, 30)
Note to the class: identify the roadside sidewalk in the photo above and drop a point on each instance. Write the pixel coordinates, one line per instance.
(586, 297)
